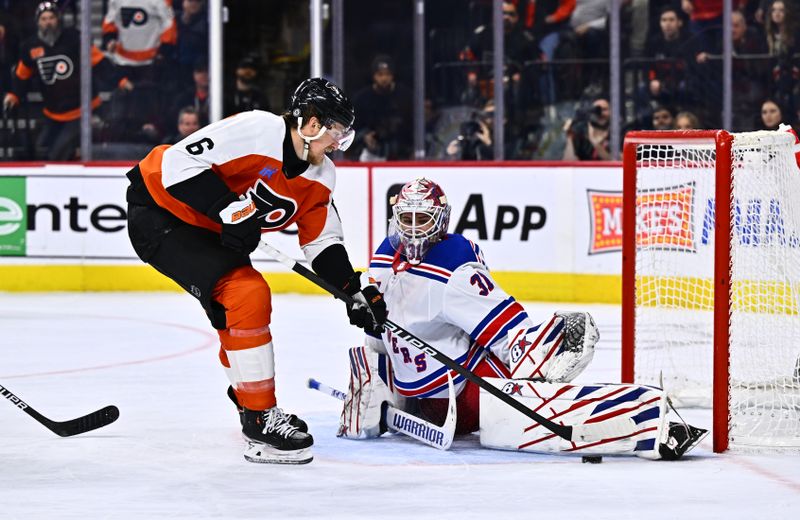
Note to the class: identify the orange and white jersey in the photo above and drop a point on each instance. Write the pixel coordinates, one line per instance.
(141, 26)
(246, 152)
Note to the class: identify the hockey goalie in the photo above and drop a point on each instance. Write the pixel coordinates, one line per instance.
(438, 287)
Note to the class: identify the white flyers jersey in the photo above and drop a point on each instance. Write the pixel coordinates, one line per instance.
(141, 26)
(246, 152)
(451, 302)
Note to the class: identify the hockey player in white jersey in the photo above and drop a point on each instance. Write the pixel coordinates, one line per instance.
(440, 289)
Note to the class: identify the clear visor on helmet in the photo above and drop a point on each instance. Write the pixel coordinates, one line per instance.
(343, 136)
(414, 229)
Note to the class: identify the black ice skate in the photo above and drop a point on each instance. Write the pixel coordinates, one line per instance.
(294, 420)
(682, 438)
(272, 439)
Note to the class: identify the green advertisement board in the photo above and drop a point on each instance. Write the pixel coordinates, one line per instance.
(13, 216)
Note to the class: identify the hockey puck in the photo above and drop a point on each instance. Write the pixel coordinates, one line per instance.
(592, 459)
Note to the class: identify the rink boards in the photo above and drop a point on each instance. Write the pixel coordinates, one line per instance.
(550, 231)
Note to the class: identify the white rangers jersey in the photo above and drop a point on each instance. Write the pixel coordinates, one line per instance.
(450, 301)
(140, 26)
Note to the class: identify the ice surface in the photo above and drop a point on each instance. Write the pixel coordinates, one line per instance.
(176, 451)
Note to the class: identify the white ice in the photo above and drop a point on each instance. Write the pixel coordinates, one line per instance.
(176, 451)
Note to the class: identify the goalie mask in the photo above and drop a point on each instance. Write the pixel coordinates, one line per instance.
(420, 215)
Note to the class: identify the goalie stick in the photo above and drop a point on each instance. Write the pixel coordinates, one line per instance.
(581, 433)
(440, 437)
(87, 423)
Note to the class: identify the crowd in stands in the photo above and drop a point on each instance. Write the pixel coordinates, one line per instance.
(672, 68)
(151, 82)
(151, 66)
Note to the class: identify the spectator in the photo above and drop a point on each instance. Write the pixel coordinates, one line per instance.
(663, 119)
(771, 115)
(137, 37)
(668, 76)
(519, 46)
(383, 127)
(780, 27)
(192, 42)
(474, 141)
(246, 94)
(133, 36)
(588, 23)
(587, 138)
(53, 54)
(686, 121)
(547, 18)
(705, 23)
(750, 75)
(9, 46)
(197, 95)
(188, 123)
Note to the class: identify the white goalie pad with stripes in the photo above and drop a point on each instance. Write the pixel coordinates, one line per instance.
(630, 418)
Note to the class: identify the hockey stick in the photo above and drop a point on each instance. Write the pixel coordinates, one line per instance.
(87, 423)
(440, 437)
(563, 431)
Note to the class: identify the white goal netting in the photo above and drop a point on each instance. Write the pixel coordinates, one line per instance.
(675, 216)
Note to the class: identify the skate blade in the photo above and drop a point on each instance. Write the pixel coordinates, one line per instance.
(264, 454)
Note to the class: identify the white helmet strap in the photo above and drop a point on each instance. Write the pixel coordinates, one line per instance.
(307, 139)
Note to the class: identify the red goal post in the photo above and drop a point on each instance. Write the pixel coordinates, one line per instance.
(692, 312)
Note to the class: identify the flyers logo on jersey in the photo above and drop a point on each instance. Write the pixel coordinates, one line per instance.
(273, 210)
(53, 68)
(133, 16)
(665, 219)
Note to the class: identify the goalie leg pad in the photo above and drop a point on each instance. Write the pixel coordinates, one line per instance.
(362, 416)
(607, 419)
(556, 350)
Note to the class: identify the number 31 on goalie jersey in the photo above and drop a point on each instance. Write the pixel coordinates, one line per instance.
(419, 360)
(485, 286)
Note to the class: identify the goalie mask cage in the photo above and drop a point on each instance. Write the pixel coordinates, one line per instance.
(711, 278)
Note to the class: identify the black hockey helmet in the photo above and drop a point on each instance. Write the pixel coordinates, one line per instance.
(325, 99)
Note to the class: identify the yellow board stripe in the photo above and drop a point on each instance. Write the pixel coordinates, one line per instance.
(562, 287)
(756, 296)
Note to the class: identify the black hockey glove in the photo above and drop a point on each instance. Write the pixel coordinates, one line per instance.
(241, 229)
(369, 310)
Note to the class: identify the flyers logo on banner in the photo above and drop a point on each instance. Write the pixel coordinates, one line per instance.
(605, 213)
(665, 218)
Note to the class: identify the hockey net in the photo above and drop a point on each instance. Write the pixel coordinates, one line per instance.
(711, 278)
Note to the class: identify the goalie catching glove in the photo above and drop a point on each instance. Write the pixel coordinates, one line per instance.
(556, 350)
(369, 310)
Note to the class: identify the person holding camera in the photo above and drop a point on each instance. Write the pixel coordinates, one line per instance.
(474, 141)
(587, 139)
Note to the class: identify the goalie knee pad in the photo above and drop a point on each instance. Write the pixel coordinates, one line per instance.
(362, 415)
(556, 350)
